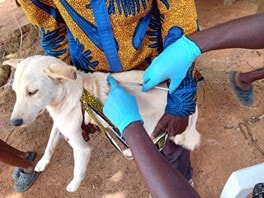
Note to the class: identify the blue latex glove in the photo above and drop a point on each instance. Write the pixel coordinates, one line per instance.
(120, 107)
(173, 63)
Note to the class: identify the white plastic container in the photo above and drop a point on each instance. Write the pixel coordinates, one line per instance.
(241, 182)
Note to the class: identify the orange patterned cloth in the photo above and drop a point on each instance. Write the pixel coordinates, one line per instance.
(71, 32)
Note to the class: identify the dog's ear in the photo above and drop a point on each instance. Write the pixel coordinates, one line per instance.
(12, 62)
(61, 73)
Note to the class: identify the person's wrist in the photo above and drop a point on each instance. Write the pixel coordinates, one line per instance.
(193, 48)
(131, 126)
(125, 124)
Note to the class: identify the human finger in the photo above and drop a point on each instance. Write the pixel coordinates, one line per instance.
(112, 81)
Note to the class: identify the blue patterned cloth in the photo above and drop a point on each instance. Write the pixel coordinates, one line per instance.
(183, 101)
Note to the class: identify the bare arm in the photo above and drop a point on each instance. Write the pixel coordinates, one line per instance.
(246, 32)
(161, 178)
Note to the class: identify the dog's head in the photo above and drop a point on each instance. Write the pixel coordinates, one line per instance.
(37, 83)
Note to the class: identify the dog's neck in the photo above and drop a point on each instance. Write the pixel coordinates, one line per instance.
(67, 98)
(96, 84)
(69, 93)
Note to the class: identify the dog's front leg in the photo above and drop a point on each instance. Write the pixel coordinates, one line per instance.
(81, 154)
(52, 143)
(190, 138)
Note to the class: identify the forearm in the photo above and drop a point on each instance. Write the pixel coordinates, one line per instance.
(246, 32)
(161, 179)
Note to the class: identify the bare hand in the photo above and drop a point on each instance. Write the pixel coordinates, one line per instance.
(173, 124)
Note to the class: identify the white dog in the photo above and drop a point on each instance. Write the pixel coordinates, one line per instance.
(45, 82)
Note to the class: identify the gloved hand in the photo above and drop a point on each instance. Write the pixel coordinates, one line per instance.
(173, 63)
(120, 107)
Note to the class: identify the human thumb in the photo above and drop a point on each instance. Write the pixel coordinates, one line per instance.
(174, 84)
(112, 82)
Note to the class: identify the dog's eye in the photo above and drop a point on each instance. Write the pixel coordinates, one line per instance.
(31, 93)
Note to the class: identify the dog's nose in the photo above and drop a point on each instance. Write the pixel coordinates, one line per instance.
(16, 122)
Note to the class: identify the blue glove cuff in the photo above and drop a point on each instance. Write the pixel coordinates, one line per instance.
(125, 124)
(176, 34)
(193, 49)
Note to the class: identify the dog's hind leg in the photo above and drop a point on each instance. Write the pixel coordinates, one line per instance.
(190, 138)
(52, 143)
(81, 154)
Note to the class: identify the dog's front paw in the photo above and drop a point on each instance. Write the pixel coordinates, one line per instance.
(188, 141)
(73, 186)
(128, 154)
(178, 139)
(41, 165)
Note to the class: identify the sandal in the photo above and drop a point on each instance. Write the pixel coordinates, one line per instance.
(16, 172)
(245, 96)
(25, 181)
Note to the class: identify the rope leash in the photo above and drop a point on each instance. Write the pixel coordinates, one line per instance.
(90, 104)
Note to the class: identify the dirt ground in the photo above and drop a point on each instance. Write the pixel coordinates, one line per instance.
(227, 127)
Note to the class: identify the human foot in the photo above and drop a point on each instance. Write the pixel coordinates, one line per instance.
(16, 172)
(25, 181)
(241, 81)
(244, 91)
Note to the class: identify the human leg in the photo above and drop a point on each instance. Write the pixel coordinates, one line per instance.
(14, 151)
(14, 157)
(17, 170)
(24, 171)
(242, 84)
(245, 79)
(179, 158)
